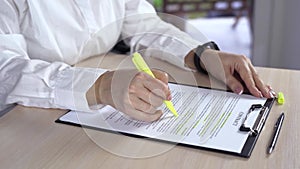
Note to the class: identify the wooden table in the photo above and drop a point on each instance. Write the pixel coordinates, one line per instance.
(31, 139)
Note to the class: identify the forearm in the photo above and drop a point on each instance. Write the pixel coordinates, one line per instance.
(157, 38)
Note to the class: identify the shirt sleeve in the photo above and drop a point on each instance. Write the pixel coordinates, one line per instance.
(143, 29)
(37, 83)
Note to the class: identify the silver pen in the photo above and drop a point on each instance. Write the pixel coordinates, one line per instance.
(277, 129)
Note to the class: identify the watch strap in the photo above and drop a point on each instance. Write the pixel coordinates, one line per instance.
(198, 52)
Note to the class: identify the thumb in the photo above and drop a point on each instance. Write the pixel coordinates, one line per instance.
(234, 84)
(162, 76)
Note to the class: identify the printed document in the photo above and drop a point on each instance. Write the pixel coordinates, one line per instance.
(207, 118)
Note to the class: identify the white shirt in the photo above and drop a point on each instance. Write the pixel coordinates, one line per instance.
(39, 40)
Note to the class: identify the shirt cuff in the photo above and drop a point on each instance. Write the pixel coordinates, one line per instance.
(70, 93)
(176, 50)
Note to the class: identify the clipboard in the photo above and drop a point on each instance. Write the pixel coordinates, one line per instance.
(255, 130)
(252, 131)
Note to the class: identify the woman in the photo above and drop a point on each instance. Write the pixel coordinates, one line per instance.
(41, 39)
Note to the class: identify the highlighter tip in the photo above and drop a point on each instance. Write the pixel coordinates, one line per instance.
(170, 106)
(174, 113)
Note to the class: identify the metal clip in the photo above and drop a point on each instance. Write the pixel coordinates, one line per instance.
(260, 120)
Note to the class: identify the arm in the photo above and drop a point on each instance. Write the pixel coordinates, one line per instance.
(147, 30)
(143, 29)
(33, 82)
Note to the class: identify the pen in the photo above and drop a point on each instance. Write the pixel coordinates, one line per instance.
(277, 129)
(141, 65)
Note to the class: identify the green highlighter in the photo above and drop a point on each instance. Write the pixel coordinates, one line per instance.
(141, 65)
(280, 98)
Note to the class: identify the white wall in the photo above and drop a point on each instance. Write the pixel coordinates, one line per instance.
(276, 34)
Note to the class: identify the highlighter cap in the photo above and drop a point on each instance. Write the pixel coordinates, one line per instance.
(280, 98)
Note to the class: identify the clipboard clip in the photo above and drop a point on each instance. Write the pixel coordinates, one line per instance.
(259, 122)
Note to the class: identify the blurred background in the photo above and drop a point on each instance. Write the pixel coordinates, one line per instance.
(265, 31)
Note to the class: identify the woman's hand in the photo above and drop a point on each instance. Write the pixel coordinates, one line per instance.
(134, 93)
(234, 70)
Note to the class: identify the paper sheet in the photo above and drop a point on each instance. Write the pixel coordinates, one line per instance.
(207, 118)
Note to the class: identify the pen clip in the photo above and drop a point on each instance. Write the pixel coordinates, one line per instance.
(279, 120)
(277, 123)
(274, 138)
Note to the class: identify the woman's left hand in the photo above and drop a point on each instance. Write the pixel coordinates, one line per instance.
(235, 70)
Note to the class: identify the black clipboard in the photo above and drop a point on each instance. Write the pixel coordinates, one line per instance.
(254, 131)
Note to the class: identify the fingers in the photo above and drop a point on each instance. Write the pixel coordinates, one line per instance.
(146, 94)
(266, 90)
(251, 79)
(234, 84)
(141, 105)
(134, 93)
(162, 76)
(159, 85)
(247, 75)
(253, 82)
(155, 86)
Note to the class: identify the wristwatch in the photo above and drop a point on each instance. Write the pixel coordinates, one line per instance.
(198, 52)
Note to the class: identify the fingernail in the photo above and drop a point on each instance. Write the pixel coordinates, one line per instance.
(169, 97)
(269, 87)
(260, 95)
(271, 94)
(238, 91)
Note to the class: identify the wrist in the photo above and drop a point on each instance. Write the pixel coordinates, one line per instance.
(97, 91)
(97, 94)
(189, 60)
(199, 52)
